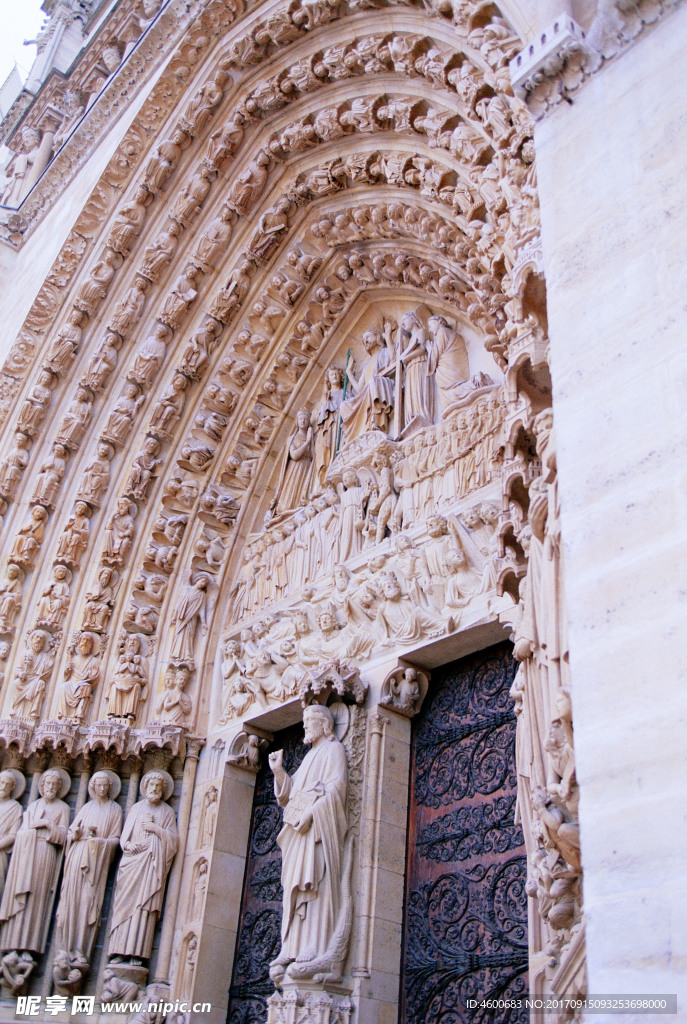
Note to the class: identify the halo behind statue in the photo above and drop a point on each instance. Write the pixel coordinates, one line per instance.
(19, 782)
(66, 782)
(114, 779)
(169, 782)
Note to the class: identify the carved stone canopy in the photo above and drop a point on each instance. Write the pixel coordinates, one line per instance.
(330, 680)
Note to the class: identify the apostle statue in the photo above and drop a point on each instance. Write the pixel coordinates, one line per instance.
(312, 844)
(12, 785)
(34, 866)
(91, 844)
(149, 842)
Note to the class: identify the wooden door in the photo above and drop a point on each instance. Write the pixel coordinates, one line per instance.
(465, 926)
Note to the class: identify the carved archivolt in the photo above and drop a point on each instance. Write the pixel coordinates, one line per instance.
(293, 353)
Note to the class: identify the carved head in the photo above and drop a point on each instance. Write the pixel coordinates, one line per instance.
(303, 419)
(38, 640)
(7, 784)
(50, 784)
(437, 526)
(372, 340)
(100, 786)
(318, 721)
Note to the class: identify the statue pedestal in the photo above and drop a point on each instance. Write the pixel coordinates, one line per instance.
(308, 1004)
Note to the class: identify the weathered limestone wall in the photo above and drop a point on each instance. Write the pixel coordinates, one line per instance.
(611, 184)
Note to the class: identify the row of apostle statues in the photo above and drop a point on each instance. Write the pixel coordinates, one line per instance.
(46, 862)
(404, 381)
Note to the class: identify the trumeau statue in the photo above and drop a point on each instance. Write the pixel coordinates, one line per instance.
(91, 843)
(32, 874)
(149, 841)
(312, 844)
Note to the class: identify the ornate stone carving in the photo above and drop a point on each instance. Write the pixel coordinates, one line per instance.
(99, 601)
(91, 842)
(54, 601)
(150, 355)
(145, 468)
(168, 410)
(316, 856)
(12, 785)
(81, 677)
(403, 690)
(74, 423)
(119, 533)
(174, 707)
(33, 869)
(245, 751)
(123, 414)
(13, 465)
(29, 538)
(74, 539)
(10, 597)
(129, 685)
(32, 674)
(96, 476)
(189, 615)
(149, 840)
(36, 405)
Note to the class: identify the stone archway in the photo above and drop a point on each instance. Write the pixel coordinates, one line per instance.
(324, 170)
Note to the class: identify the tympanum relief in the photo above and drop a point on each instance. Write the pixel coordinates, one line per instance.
(375, 537)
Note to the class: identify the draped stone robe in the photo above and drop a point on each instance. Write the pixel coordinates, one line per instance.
(10, 819)
(32, 875)
(311, 863)
(141, 879)
(87, 862)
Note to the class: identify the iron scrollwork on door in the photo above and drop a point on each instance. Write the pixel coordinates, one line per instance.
(466, 905)
(259, 936)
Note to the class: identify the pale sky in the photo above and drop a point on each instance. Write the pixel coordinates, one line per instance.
(19, 20)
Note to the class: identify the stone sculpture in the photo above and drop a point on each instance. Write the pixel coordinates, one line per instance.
(297, 465)
(14, 464)
(372, 399)
(130, 681)
(312, 844)
(12, 785)
(29, 538)
(33, 869)
(80, 678)
(149, 841)
(54, 602)
(10, 597)
(91, 844)
(447, 361)
(191, 612)
(32, 675)
(74, 540)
